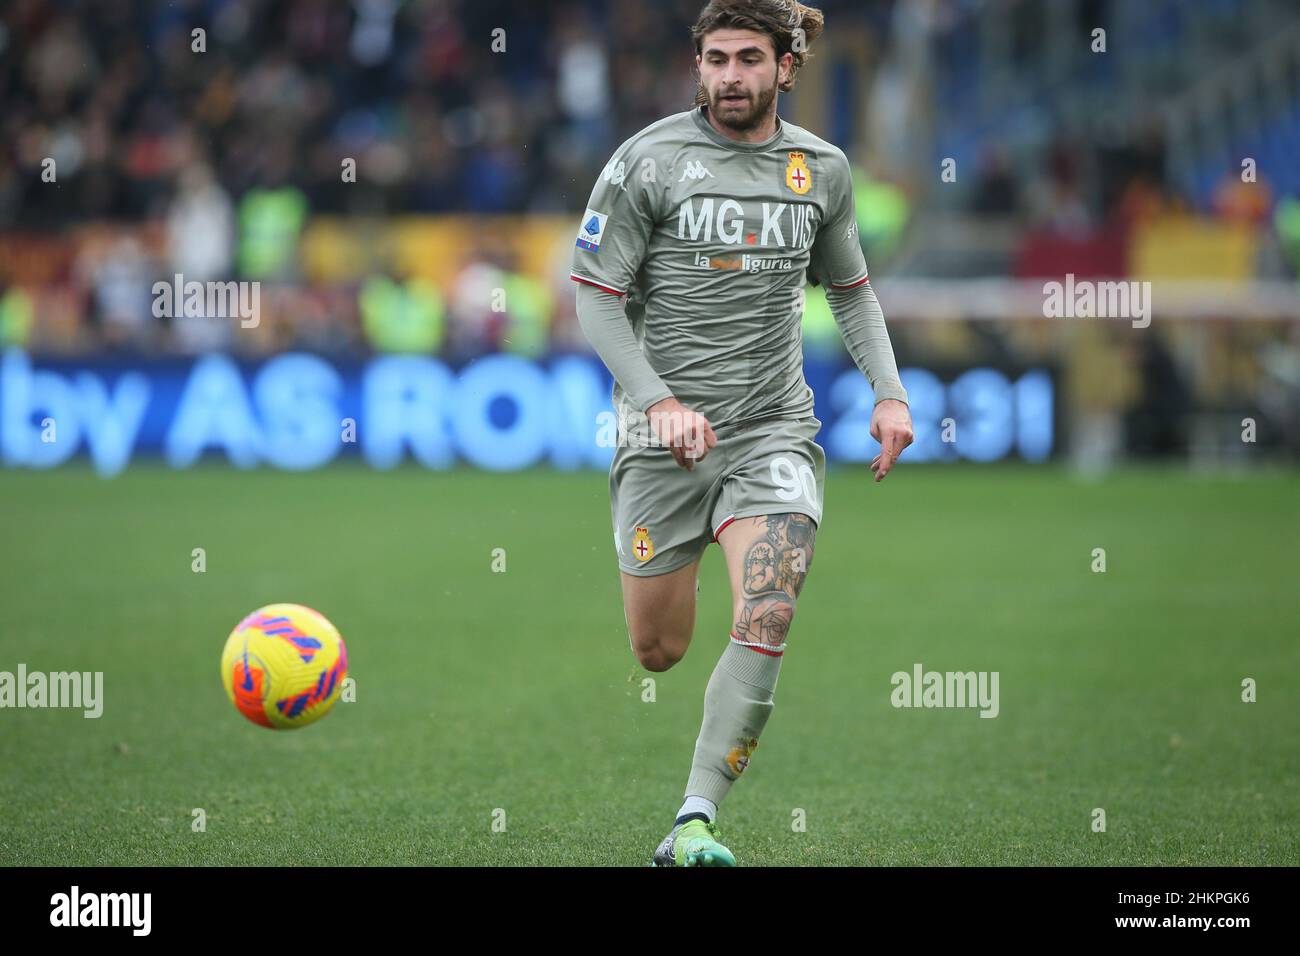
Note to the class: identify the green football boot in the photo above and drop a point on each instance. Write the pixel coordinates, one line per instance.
(693, 843)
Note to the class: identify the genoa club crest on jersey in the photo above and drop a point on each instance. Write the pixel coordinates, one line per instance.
(797, 175)
(591, 230)
(643, 549)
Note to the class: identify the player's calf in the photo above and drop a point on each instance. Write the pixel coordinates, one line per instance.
(768, 558)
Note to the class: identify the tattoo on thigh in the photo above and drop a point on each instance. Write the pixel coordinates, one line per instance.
(775, 568)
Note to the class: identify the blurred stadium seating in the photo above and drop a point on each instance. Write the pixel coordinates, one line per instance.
(472, 165)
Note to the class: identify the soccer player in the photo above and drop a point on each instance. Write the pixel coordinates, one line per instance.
(691, 262)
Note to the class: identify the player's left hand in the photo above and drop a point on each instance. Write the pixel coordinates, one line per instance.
(891, 425)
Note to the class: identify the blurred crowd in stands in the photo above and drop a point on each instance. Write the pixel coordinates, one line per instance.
(211, 154)
(435, 117)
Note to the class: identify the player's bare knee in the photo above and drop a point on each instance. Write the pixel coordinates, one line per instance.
(659, 645)
(764, 619)
(658, 651)
(657, 659)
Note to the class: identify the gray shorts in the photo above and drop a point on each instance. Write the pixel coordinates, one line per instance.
(665, 516)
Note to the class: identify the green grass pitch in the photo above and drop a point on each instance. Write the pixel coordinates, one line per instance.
(480, 692)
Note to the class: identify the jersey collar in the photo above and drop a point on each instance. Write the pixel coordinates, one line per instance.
(707, 129)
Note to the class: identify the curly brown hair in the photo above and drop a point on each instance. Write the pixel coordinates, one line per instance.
(783, 21)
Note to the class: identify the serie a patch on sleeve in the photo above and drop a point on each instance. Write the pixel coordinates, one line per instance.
(592, 230)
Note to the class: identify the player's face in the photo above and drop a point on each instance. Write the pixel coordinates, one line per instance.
(740, 73)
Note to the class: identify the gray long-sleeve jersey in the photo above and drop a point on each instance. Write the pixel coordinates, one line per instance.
(692, 258)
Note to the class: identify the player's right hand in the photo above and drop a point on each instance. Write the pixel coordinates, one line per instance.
(686, 433)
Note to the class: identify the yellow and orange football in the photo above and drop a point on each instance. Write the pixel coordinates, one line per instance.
(284, 666)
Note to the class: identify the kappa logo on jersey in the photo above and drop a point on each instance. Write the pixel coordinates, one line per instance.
(695, 170)
(642, 547)
(797, 175)
(591, 231)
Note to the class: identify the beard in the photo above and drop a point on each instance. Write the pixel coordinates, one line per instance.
(739, 118)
